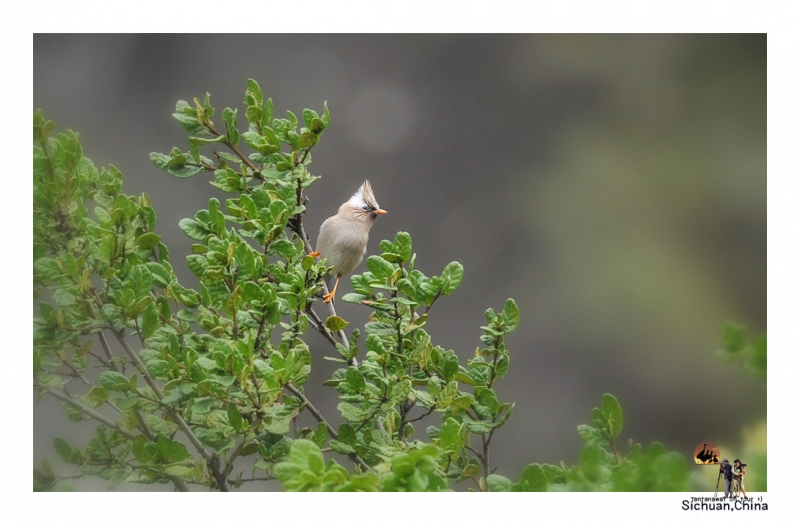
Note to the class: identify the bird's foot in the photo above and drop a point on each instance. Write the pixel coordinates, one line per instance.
(327, 298)
(314, 254)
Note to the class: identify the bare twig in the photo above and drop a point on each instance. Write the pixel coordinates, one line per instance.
(247, 480)
(107, 351)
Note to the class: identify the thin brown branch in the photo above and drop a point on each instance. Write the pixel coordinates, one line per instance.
(210, 458)
(312, 409)
(318, 416)
(477, 454)
(426, 414)
(318, 325)
(247, 480)
(107, 351)
(232, 147)
(74, 403)
(485, 457)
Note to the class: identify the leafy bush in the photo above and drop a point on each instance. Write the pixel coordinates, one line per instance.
(194, 379)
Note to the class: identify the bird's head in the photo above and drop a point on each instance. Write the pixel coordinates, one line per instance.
(362, 206)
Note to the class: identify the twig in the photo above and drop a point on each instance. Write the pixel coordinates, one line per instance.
(232, 147)
(426, 414)
(66, 398)
(318, 325)
(235, 454)
(107, 351)
(233, 481)
(318, 416)
(213, 461)
(311, 408)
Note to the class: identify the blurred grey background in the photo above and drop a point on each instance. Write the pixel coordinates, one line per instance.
(614, 185)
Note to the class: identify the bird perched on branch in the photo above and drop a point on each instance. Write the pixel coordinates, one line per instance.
(343, 238)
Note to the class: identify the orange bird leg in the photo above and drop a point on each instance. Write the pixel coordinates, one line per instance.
(314, 254)
(328, 298)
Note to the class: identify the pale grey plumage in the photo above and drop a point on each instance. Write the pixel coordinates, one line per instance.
(343, 238)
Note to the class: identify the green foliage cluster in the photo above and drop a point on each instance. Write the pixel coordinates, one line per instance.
(184, 382)
(602, 467)
(736, 349)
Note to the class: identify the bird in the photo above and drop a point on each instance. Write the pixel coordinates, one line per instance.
(343, 237)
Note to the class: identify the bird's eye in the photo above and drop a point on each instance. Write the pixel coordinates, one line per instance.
(365, 208)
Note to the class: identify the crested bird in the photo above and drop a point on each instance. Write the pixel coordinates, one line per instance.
(343, 237)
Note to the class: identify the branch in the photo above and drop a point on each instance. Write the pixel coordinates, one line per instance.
(311, 408)
(318, 416)
(485, 457)
(211, 459)
(232, 147)
(63, 396)
(233, 481)
(179, 483)
(107, 351)
(426, 414)
(319, 326)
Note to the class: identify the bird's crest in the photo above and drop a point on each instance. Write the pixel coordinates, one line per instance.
(364, 197)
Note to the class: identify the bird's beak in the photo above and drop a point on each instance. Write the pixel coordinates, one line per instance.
(380, 212)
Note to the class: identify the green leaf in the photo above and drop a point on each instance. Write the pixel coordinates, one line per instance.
(320, 435)
(451, 436)
(171, 450)
(612, 411)
(201, 141)
(63, 449)
(229, 116)
(308, 139)
(335, 323)
(140, 280)
(178, 470)
(308, 116)
(347, 434)
(254, 91)
(354, 298)
(306, 453)
(380, 267)
(194, 229)
(593, 436)
(63, 297)
(499, 483)
(341, 447)
(234, 417)
(180, 170)
(533, 478)
(511, 315)
(97, 395)
(114, 381)
(148, 241)
(452, 275)
(161, 276)
(149, 320)
(355, 379)
(350, 413)
(326, 116)
(402, 242)
(284, 248)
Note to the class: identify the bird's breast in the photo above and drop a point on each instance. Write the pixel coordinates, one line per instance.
(343, 243)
